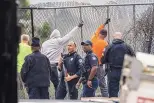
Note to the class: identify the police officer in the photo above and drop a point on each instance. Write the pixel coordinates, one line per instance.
(114, 57)
(74, 66)
(90, 83)
(35, 72)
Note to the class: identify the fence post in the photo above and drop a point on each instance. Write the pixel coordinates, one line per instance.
(81, 27)
(80, 21)
(55, 15)
(108, 16)
(134, 23)
(32, 22)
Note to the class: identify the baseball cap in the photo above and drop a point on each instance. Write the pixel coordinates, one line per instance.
(35, 42)
(87, 42)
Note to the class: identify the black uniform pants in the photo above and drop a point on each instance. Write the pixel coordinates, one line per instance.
(38, 93)
(61, 91)
(54, 76)
(113, 82)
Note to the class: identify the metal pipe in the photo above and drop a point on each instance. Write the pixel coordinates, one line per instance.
(86, 6)
(80, 21)
(32, 22)
(81, 27)
(55, 16)
(134, 20)
(108, 16)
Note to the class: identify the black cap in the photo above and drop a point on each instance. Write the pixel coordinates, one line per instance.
(35, 42)
(103, 32)
(87, 42)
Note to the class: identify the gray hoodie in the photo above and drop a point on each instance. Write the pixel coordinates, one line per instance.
(53, 47)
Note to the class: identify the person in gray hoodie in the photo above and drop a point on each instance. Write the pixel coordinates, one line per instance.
(53, 48)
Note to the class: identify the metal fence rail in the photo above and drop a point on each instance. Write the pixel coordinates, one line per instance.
(135, 21)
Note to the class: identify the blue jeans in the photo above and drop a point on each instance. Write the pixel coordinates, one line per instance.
(90, 92)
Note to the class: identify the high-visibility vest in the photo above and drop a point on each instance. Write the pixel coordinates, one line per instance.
(24, 50)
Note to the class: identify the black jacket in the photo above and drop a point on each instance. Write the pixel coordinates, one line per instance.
(114, 53)
(90, 61)
(74, 63)
(36, 70)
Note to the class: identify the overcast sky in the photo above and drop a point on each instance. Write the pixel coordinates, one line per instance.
(93, 2)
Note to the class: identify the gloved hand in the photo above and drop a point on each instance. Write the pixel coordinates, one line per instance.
(80, 24)
(107, 21)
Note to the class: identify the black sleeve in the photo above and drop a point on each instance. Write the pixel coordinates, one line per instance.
(130, 51)
(25, 68)
(80, 65)
(104, 59)
(93, 60)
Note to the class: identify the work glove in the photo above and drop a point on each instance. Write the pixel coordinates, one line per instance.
(107, 21)
(80, 24)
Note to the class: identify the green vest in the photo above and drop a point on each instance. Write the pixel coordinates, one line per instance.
(24, 50)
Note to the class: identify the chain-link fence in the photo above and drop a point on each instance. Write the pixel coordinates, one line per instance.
(135, 21)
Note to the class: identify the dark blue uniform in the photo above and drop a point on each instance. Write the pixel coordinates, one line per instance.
(35, 73)
(90, 61)
(74, 65)
(114, 57)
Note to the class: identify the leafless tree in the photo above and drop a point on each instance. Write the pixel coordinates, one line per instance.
(143, 31)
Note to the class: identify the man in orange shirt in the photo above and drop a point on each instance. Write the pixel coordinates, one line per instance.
(99, 44)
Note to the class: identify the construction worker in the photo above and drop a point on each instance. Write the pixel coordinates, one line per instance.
(114, 57)
(90, 83)
(53, 48)
(35, 72)
(74, 67)
(99, 44)
(23, 50)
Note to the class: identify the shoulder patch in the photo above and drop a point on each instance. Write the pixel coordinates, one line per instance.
(71, 59)
(94, 58)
